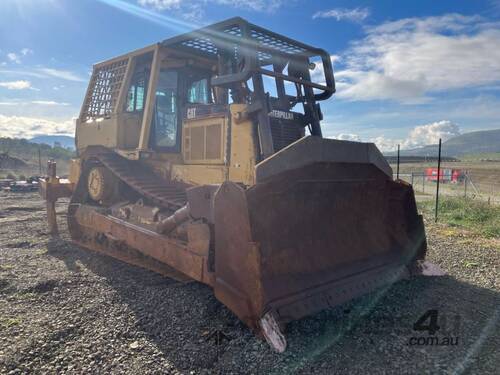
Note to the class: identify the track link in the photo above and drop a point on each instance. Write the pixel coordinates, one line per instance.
(144, 181)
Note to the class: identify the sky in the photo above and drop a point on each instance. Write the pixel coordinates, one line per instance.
(407, 72)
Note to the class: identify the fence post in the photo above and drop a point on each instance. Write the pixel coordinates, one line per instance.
(423, 183)
(438, 178)
(397, 173)
(51, 203)
(411, 178)
(39, 162)
(465, 184)
(472, 184)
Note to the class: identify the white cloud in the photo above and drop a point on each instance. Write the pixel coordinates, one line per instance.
(194, 9)
(26, 51)
(49, 102)
(370, 85)
(419, 136)
(386, 144)
(17, 102)
(318, 70)
(257, 5)
(23, 72)
(348, 137)
(27, 127)
(429, 134)
(409, 59)
(161, 4)
(45, 73)
(354, 15)
(16, 85)
(62, 74)
(14, 57)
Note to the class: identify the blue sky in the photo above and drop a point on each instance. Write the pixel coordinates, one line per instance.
(407, 72)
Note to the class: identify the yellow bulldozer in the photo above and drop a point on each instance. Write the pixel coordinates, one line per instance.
(202, 158)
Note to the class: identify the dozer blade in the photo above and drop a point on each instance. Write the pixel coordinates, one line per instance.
(312, 237)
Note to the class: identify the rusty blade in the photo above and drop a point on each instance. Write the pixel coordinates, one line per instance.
(311, 238)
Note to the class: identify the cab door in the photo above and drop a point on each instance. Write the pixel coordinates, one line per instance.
(166, 121)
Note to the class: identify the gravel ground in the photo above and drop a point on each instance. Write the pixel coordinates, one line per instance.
(67, 310)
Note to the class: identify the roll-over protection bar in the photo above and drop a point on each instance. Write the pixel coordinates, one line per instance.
(255, 47)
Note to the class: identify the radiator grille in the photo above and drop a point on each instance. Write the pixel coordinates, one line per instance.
(285, 133)
(203, 141)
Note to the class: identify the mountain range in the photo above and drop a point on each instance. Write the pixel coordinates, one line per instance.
(63, 140)
(485, 141)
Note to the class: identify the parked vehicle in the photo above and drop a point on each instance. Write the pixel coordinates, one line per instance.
(448, 175)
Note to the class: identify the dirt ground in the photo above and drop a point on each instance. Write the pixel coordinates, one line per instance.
(67, 310)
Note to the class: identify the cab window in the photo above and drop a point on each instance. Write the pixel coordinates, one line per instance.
(165, 120)
(198, 92)
(136, 92)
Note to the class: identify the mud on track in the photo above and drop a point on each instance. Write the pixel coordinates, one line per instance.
(67, 310)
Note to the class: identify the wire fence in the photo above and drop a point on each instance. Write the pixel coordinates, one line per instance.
(481, 182)
(468, 186)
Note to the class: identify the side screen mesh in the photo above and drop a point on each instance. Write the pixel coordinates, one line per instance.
(104, 88)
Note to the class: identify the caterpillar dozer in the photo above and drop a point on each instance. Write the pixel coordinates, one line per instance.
(202, 158)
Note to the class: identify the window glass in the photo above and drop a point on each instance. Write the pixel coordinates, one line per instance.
(131, 98)
(198, 92)
(135, 96)
(269, 82)
(139, 93)
(165, 116)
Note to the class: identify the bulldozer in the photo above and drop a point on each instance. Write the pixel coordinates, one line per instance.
(202, 158)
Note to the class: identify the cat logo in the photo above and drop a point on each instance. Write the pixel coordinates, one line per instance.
(281, 114)
(191, 113)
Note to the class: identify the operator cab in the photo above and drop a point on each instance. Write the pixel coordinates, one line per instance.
(153, 101)
(176, 88)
